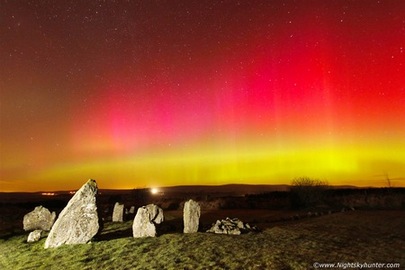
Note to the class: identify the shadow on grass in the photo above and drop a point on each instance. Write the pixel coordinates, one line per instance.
(5, 235)
(123, 230)
(170, 226)
(117, 234)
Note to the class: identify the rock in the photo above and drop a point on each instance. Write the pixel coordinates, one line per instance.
(34, 236)
(231, 226)
(155, 213)
(132, 210)
(191, 216)
(78, 222)
(39, 219)
(118, 213)
(145, 220)
(142, 227)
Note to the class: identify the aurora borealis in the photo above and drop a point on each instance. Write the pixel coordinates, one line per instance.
(160, 93)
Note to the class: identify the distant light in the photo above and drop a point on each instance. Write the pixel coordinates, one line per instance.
(154, 191)
(48, 194)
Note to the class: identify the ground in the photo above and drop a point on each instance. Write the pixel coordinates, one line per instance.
(349, 237)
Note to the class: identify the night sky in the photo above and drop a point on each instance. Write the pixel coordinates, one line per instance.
(158, 93)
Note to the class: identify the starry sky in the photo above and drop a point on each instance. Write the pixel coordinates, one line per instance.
(185, 92)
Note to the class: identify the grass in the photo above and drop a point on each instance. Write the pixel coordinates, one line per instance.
(358, 236)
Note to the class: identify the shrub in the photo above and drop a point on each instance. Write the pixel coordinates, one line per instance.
(307, 192)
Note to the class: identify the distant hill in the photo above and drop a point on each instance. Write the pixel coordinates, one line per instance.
(234, 189)
(231, 189)
(220, 190)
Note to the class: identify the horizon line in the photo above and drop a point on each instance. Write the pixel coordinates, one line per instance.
(198, 185)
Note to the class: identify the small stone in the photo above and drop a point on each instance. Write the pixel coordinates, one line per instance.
(34, 236)
(231, 226)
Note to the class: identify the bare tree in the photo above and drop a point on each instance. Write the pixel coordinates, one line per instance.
(307, 192)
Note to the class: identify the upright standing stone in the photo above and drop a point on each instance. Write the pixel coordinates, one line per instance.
(118, 212)
(78, 222)
(191, 216)
(39, 219)
(145, 220)
(132, 210)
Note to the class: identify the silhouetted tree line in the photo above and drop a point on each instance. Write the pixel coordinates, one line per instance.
(369, 191)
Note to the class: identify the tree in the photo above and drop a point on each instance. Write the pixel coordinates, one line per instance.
(307, 192)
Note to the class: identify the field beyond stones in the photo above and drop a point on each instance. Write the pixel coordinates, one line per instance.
(348, 237)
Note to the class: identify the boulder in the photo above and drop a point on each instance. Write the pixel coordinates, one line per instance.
(39, 219)
(231, 226)
(118, 213)
(34, 236)
(145, 220)
(78, 222)
(191, 216)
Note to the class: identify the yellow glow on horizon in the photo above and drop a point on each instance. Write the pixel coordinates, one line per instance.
(248, 164)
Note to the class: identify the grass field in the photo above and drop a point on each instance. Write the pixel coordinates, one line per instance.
(359, 236)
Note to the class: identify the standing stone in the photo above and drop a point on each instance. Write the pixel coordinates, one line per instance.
(191, 216)
(34, 236)
(155, 213)
(118, 213)
(132, 210)
(145, 220)
(39, 219)
(78, 222)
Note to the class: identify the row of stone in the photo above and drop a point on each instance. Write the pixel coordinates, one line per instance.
(119, 210)
(79, 222)
(148, 216)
